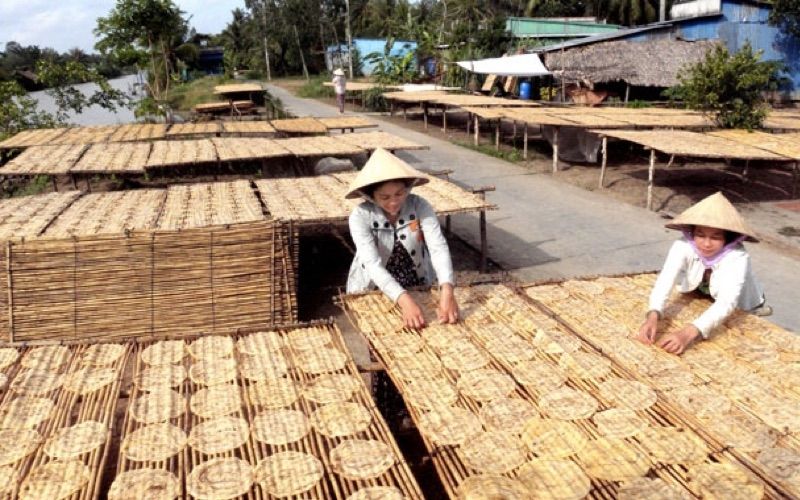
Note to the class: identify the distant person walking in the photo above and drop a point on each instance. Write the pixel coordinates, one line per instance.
(339, 86)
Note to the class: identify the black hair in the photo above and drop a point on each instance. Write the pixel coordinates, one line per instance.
(370, 189)
(730, 236)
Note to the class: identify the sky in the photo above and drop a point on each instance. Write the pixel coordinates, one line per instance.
(64, 24)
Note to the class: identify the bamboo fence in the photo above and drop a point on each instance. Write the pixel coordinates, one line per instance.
(187, 152)
(139, 132)
(45, 160)
(34, 137)
(306, 126)
(114, 157)
(373, 140)
(248, 407)
(248, 128)
(248, 148)
(88, 398)
(318, 146)
(503, 330)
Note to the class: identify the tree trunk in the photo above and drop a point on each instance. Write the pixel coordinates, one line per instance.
(300, 48)
(266, 42)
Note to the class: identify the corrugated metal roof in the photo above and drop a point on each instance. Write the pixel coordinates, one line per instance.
(622, 33)
(530, 27)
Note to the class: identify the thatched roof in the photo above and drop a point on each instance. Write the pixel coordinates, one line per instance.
(651, 63)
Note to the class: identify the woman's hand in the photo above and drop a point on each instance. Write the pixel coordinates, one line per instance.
(677, 342)
(448, 307)
(648, 330)
(412, 314)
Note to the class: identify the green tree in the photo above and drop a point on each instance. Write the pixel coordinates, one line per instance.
(19, 112)
(729, 87)
(145, 33)
(786, 15)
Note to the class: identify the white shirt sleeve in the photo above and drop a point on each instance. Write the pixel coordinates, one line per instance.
(728, 278)
(665, 282)
(368, 255)
(436, 243)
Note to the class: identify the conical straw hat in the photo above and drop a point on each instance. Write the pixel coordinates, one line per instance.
(714, 211)
(338, 72)
(384, 166)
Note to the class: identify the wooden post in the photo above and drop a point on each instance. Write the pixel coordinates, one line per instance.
(794, 179)
(447, 225)
(391, 108)
(404, 114)
(55, 184)
(484, 244)
(88, 184)
(469, 122)
(497, 134)
(604, 163)
(746, 170)
(444, 118)
(477, 131)
(74, 183)
(425, 114)
(555, 149)
(650, 173)
(514, 135)
(525, 145)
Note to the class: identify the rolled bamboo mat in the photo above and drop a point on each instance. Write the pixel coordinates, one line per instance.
(174, 282)
(318, 146)
(248, 148)
(138, 132)
(502, 331)
(86, 135)
(45, 160)
(109, 213)
(187, 152)
(193, 129)
(114, 157)
(299, 126)
(378, 139)
(248, 128)
(34, 137)
(252, 401)
(198, 205)
(748, 367)
(83, 400)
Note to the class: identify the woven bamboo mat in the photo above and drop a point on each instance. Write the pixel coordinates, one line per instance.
(109, 213)
(28, 216)
(193, 129)
(299, 126)
(199, 205)
(414, 97)
(86, 135)
(247, 148)
(318, 146)
(237, 87)
(248, 127)
(782, 144)
(34, 137)
(138, 132)
(500, 334)
(747, 368)
(485, 113)
(306, 199)
(378, 139)
(81, 396)
(686, 143)
(252, 402)
(782, 122)
(187, 152)
(114, 157)
(44, 160)
(343, 122)
(460, 100)
(212, 106)
(222, 277)
(538, 116)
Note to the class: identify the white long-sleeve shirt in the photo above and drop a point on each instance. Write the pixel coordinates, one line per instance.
(419, 232)
(732, 283)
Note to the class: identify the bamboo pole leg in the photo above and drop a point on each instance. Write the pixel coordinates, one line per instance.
(525, 144)
(425, 114)
(497, 134)
(405, 118)
(444, 119)
(555, 149)
(391, 108)
(469, 122)
(476, 140)
(601, 185)
(484, 243)
(650, 172)
(74, 183)
(746, 170)
(55, 184)
(795, 168)
(447, 225)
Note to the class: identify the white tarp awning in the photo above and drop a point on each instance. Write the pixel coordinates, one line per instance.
(518, 65)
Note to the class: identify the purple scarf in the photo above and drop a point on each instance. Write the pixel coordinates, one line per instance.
(709, 263)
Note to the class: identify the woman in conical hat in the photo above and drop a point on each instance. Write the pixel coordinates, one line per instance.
(708, 259)
(399, 242)
(339, 87)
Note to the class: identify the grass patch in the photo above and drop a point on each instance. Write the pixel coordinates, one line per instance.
(314, 88)
(185, 96)
(512, 155)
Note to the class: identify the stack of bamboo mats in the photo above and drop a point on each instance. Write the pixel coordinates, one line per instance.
(741, 386)
(512, 400)
(273, 414)
(57, 406)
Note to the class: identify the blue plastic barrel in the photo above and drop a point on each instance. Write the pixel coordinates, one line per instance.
(525, 90)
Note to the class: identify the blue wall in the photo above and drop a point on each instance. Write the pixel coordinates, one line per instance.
(740, 22)
(366, 46)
